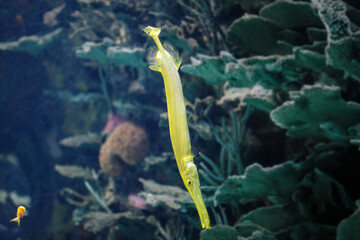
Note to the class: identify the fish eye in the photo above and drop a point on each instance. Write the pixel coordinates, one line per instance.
(189, 182)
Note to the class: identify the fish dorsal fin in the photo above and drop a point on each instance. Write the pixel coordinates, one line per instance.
(151, 59)
(173, 53)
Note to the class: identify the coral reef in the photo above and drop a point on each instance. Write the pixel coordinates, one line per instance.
(273, 104)
(157, 195)
(314, 112)
(31, 44)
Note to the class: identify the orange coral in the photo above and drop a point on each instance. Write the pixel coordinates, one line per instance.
(127, 144)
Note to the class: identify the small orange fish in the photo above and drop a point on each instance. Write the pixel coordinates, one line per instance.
(20, 213)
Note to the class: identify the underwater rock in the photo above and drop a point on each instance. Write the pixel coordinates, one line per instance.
(31, 44)
(283, 11)
(158, 194)
(258, 182)
(257, 34)
(270, 71)
(220, 232)
(210, 68)
(73, 171)
(127, 144)
(317, 111)
(348, 229)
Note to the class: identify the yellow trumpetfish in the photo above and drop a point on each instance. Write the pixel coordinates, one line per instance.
(168, 64)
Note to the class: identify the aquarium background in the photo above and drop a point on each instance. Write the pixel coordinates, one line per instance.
(273, 106)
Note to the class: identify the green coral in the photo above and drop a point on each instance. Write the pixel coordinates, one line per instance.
(219, 232)
(105, 53)
(270, 72)
(348, 228)
(211, 69)
(258, 183)
(33, 45)
(343, 45)
(313, 112)
(256, 34)
(283, 11)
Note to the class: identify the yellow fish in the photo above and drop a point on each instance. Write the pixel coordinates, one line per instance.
(20, 213)
(167, 62)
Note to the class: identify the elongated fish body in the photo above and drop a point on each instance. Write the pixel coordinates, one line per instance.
(168, 65)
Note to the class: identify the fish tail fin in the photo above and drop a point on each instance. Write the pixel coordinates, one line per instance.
(17, 219)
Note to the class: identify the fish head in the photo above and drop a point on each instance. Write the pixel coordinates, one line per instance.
(192, 184)
(21, 211)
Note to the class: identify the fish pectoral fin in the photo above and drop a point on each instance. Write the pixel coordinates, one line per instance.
(174, 54)
(151, 59)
